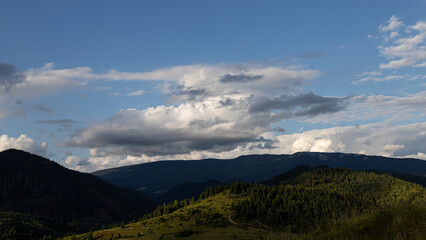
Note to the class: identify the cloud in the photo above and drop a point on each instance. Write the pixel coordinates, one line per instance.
(303, 105)
(163, 130)
(65, 123)
(393, 24)
(186, 79)
(377, 76)
(76, 162)
(371, 139)
(279, 129)
(136, 93)
(216, 124)
(406, 48)
(241, 78)
(10, 76)
(46, 80)
(379, 107)
(231, 125)
(23, 142)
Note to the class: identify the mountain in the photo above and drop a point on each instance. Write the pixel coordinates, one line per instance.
(184, 191)
(164, 175)
(74, 201)
(317, 203)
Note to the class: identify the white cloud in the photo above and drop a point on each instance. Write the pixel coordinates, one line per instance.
(392, 25)
(23, 142)
(72, 160)
(182, 83)
(372, 139)
(136, 93)
(403, 49)
(162, 130)
(47, 80)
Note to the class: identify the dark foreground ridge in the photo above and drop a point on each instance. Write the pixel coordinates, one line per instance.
(63, 199)
(164, 175)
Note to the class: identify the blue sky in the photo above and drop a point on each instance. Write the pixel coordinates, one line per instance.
(98, 84)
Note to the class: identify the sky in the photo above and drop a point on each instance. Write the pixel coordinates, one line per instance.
(101, 84)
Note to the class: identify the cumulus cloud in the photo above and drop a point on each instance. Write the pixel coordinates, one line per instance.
(393, 24)
(372, 139)
(190, 126)
(403, 48)
(76, 162)
(23, 142)
(216, 124)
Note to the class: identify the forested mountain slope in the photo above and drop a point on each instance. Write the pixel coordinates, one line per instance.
(74, 201)
(321, 203)
(163, 175)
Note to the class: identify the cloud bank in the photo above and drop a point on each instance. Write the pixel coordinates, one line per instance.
(23, 142)
(372, 139)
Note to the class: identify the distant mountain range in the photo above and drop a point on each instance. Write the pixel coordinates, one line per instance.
(164, 175)
(70, 200)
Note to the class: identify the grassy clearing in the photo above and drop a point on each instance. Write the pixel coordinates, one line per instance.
(206, 219)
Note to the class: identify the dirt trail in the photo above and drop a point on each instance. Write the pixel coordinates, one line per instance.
(232, 221)
(250, 228)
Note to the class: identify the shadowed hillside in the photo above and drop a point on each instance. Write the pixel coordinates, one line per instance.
(74, 201)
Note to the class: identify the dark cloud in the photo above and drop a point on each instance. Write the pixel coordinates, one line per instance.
(65, 123)
(191, 92)
(300, 105)
(10, 76)
(227, 102)
(263, 143)
(279, 129)
(43, 109)
(239, 78)
(188, 93)
(202, 124)
(83, 162)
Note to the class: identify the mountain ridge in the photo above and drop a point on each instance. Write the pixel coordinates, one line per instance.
(163, 175)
